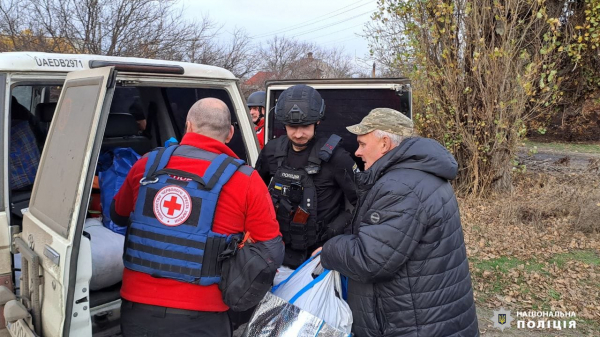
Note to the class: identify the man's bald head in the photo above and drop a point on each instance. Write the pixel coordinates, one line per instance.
(210, 117)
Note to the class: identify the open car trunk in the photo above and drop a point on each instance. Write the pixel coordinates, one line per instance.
(347, 101)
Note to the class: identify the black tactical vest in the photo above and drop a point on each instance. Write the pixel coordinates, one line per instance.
(294, 196)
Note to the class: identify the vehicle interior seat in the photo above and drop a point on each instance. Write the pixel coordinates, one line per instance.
(122, 131)
(43, 114)
(25, 147)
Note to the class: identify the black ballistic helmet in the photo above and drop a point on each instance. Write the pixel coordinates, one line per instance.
(258, 98)
(299, 105)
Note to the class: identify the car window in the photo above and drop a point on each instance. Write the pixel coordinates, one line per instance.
(123, 99)
(23, 95)
(53, 197)
(180, 100)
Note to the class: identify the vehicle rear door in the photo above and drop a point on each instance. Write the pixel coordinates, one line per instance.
(347, 102)
(58, 295)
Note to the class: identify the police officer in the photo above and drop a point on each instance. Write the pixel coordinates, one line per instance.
(256, 104)
(309, 179)
(187, 203)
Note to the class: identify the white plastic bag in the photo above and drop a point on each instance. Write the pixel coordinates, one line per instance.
(107, 254)
(283, 273)
(299, 278)
(320, 296)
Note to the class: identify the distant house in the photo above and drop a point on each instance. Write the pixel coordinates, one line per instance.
(309, 68)
(259, 79)
(303, 68)
(257, 82)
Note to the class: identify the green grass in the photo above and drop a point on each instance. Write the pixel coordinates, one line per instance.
(564, 147)
(554, 294)
(504, 264)
(586, 256)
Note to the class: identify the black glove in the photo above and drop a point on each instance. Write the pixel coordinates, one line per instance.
(336, 227)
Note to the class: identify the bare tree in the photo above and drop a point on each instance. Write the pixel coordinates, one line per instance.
(239, 55)
(337, 63)
(15, 31)
(388, 45)
(200, 46)
(10, 17)
(280, 53)
(292, 59)
(138, 28)
(144, 28)
(157, 29)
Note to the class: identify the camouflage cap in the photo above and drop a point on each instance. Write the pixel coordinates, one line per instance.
(384, 119)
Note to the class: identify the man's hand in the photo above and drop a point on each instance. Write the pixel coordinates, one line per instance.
(317, 251)
(339, 225)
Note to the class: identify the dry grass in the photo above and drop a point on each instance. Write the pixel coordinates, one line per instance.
(538, 247)
(541, 197)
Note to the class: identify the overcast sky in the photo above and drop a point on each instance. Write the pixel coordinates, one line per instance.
(325, 22)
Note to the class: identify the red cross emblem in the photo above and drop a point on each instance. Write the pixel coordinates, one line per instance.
(172, 205)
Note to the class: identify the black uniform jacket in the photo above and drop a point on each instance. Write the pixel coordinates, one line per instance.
(334, 181)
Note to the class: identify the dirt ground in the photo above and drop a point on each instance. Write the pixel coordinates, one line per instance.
(537, 247)
(547, 159)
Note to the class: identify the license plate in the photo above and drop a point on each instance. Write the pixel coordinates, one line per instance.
(20, 329)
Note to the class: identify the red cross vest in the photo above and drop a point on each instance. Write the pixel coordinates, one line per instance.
(171, 231)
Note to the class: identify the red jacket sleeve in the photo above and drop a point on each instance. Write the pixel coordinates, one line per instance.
(260, 214)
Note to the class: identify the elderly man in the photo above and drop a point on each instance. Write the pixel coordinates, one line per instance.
(186, 202)
(405, 259)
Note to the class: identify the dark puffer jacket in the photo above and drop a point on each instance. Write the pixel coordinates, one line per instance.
(406, 259)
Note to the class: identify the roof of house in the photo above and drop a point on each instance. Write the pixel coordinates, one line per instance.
(260, 77)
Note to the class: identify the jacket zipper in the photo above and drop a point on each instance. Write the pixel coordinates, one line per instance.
(379, 314)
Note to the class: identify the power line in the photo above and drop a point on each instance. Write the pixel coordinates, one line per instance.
(316, 20)
(337, 41)
(306, 23)
(331, 33)
(333, 24)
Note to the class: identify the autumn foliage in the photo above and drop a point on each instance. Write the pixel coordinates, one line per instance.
(478, 77)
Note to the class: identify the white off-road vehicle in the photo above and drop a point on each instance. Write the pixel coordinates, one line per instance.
(77, 107)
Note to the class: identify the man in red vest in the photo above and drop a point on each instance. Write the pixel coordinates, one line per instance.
(181, 213)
